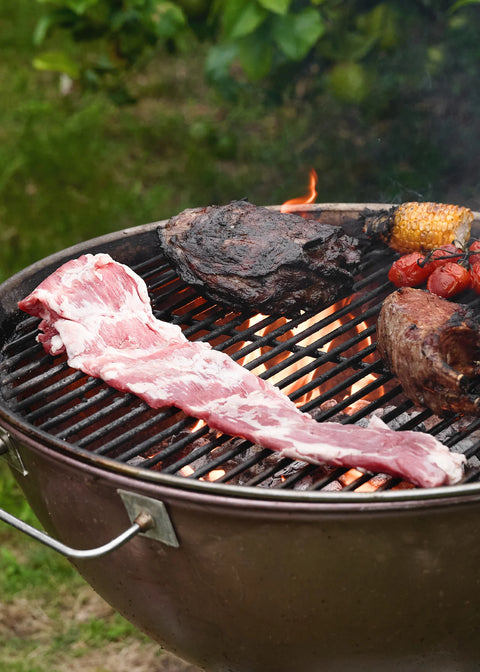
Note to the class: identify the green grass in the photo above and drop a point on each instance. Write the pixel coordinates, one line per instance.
(50, 619)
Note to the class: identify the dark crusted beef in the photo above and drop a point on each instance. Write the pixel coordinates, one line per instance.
(245, 256)
(433, 347)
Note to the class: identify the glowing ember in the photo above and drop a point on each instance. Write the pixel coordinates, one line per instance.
(213, 475)
(289, 206)
(350, 476)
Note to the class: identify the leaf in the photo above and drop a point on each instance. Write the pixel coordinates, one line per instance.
(77, 6)
(219, 59)
(462, 3)
(169, 19)
(255, 56)
(80, 6)
(276, 6)
(41, 29)
(119, 19)
(241, 18)
(296, 34)
(61, 16)
(217, 69)
(57, 61)
(378, 26)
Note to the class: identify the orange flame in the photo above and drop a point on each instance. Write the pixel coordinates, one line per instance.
(288, 206)
(298, 364)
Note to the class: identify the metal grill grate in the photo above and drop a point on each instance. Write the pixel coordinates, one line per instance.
(327, 363)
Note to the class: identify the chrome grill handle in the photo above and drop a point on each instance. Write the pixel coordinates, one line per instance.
(148, 516)
(144, 523)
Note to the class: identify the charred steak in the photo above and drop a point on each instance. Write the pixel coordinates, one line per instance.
(245, 256)
(433, 347)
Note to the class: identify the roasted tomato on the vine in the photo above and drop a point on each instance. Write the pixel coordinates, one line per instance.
(448, 280)
(474, 253)
(475, 277)
(443, 255)
(408, 271)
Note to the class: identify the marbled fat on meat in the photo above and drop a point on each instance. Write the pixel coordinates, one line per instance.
(98, 312)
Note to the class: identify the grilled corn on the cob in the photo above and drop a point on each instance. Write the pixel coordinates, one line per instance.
(419, 227)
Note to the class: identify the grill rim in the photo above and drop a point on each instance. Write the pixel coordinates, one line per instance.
(37, 439)
(384, 499)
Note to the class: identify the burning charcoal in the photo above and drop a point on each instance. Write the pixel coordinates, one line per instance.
(295, 473)
(400, 420)
(137, 461)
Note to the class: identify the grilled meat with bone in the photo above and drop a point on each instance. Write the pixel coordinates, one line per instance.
(432, 345)
(99, 312)
(244, 256)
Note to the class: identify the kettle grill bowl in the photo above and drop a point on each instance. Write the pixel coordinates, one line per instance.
(263, 580)
(264, 585)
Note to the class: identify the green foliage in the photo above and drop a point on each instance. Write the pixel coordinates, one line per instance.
(249, 41)
(113, 34)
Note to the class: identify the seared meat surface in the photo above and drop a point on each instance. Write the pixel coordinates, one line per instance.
(244, 256)
(432, 345)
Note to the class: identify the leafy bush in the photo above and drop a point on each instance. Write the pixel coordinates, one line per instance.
(341, 47)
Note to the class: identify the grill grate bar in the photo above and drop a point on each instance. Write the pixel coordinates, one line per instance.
(55, 418)
(133, 409)
(314, 358)
(378, 403)
(166, 276)
(31, 381)
(328, 479)
(473, 451)
(289, 482)
(27, 370)
(196, 453)
(24, 353)
(246, 464)
(239, 446)
(331, 356)
(178, 427)
(160, 437)
(27, 324)
(314, 349)
(60, 385)
(348, 401)
(87, 422)
(215, 332)
(183, 298)
(258, 342)
(291, 343)
(462, 434)
(128, 435)
(158, 261)
(416, 420)
(267, 473)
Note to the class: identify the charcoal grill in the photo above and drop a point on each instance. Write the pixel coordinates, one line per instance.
(238, 559)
